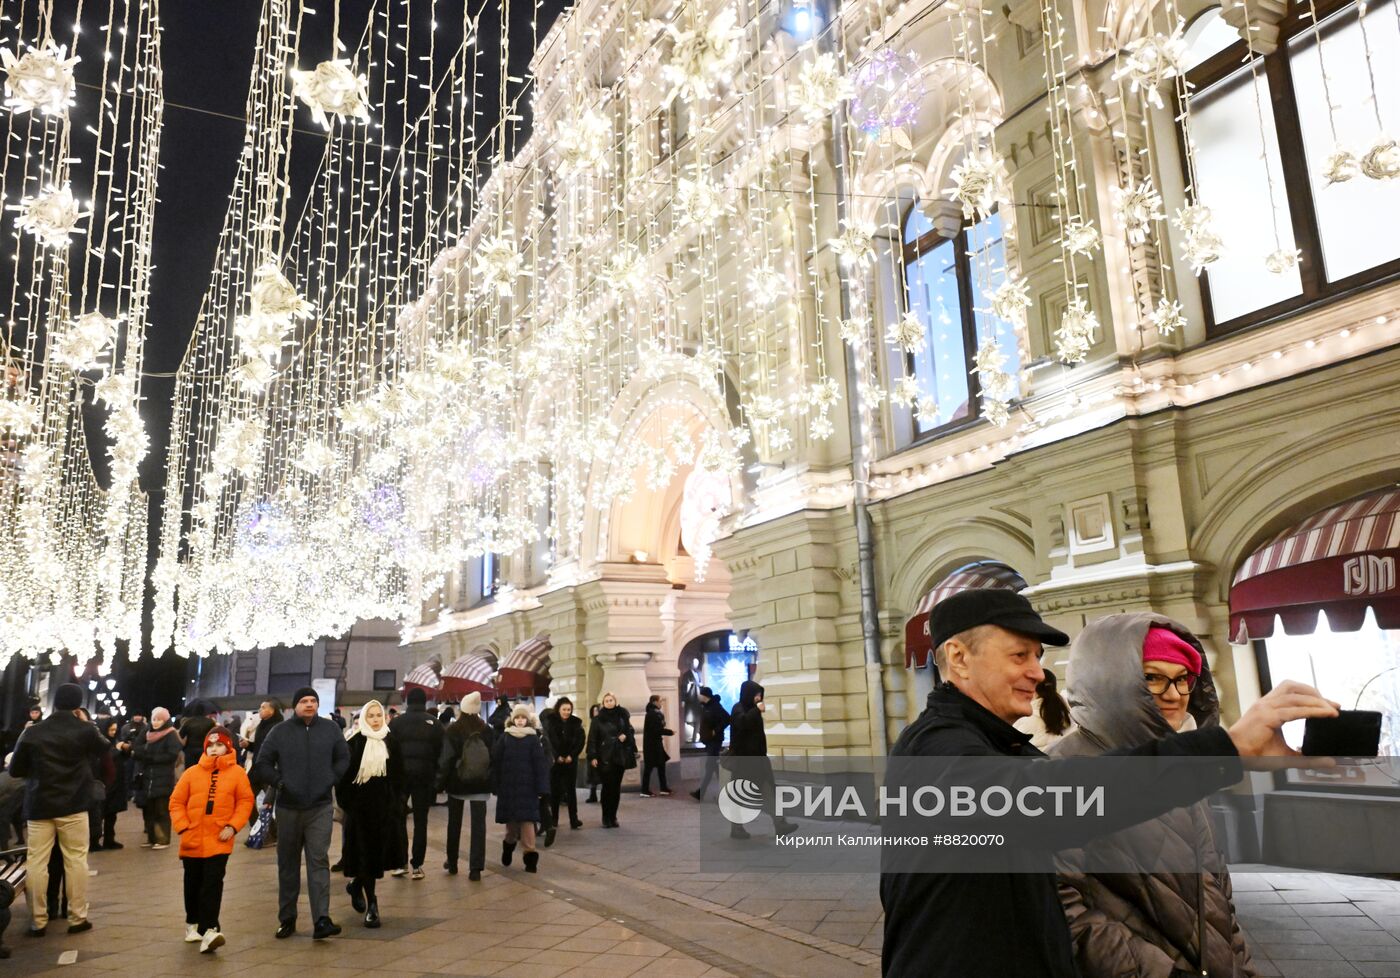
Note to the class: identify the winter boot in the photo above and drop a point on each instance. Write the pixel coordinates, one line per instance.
(372, 913)
(507, 853)
(532, 862)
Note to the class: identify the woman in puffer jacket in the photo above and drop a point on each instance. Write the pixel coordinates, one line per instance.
(211, 802)
(1133, 678)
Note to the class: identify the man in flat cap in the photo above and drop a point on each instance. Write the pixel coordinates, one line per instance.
(987, 646)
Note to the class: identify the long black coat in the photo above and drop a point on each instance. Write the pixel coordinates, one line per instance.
(56, 755)
(713, 722)
(653, 729)
(565, 736)
(420, 737)
(520, 774)
(746, 736)
(603, 745)
(115, 801)
(156, 762)
(376, 838)
(951, 925)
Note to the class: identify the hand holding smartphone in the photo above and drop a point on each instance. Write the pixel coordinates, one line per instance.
(1351, 733)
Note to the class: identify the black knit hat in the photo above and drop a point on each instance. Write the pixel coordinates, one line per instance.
(416, 697)
(304, 692)
(68, 697)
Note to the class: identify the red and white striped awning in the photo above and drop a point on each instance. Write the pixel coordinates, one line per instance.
(423, 677)
(982, 574)
(525, 670)
(470, 674)
(1341, 561)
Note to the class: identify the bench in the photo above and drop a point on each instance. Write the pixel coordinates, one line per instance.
(11, 883)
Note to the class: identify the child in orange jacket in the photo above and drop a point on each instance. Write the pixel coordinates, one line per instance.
(209, 805)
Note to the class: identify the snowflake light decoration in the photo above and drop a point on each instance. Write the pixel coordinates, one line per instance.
(1011, 300)
(820, 88)
(240, 447)
(824, 394)
(254, 374)
(856, 244)
(989, 357)
(316, 457)
(1201, 245)
(1167, 318)
(766, 285)
(997, 413)
(888, 90)
(978, 183)
(906, 391)
(333, 90)
(1341, 166)
(50, 216)
(820, 428)
(852, 331)
(907, 333)
(1081, 238)
(699, 202)
(583, 143)
(1075, 337)
(703, 59)
(85, 339)
(40, 80)
(926, 410)
(1282, 261)
(114, 389)
(18, 417)
(499, 265)
(1137, 207)
(1150, 62)
(1382, 161)
(779, 439)
(626, 270)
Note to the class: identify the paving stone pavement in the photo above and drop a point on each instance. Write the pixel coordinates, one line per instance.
(625, 902)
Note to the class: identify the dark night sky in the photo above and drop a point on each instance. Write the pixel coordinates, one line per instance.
(207, 50)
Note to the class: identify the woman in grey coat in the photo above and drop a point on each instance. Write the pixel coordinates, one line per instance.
(1135, 678)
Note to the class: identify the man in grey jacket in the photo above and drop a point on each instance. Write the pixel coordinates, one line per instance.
(303, 758)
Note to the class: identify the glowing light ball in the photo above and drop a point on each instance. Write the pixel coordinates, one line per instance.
(888, 92)
(383, 509)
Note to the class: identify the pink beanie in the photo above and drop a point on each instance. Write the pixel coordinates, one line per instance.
(1165, 645)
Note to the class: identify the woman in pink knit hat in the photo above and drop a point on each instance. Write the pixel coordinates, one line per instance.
(1134, 678)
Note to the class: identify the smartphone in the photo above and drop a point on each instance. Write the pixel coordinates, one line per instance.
(1351, 733)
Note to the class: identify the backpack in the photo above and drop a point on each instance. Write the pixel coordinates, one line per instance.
(474, 763)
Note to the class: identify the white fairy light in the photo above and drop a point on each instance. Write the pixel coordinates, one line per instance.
(85, 339)
(1382, 160)
(1341, 166)
(1201, 245)
(1011, 300)
(1283, 260)
(1081, 238)
(702, 58)
(1167, 318)
(699, 201)
(1137, 207)
(332, 90)
(583, 143)
(40, 80)
(820, 88)
(1149, 63)
(855, 246)
(978, 183)
(51, 216)
(1075, 336)
(499, 265)
(907, 333)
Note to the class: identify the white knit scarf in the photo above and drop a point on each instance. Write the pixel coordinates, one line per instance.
(374, 762)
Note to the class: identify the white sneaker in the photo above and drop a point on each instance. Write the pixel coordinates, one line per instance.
(146, 845)
(399, 872)
(212, 939)
(192, 934)
(161, 845)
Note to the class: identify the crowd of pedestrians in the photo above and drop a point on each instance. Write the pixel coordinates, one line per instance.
(1137, 685)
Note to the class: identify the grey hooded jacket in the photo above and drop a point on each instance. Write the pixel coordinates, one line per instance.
(1144, 924)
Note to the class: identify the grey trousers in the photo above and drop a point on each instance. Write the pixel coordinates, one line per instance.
(306, 831)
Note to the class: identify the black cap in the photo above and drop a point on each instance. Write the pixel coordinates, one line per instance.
(304, 692)
(707, 691)
(68, 697)
(989, 606)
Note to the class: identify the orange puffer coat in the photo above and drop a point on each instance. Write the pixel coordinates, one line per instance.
(233, 803)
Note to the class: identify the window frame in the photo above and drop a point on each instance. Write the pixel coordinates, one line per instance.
(393, 675)
(962, 271)
(1297, 184)
(490, 568)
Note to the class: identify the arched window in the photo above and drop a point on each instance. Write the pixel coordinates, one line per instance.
(1243, 110)
(948, 284)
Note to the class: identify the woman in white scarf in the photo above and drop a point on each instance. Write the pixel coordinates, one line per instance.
(371, 793)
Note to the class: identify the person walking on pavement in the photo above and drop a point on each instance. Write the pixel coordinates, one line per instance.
(464, 772)
(55, 758)
(115, 802)
(371, 794)
(201, 716)
(420, 739)
(520, 772)
(612, 749)
(654, 756)
(713, 722)
(987, 645)
(748, 739)
(208, 807)
(156, 753)
(1140, 677)
(591, 771)
(304, 758)
(566, 737)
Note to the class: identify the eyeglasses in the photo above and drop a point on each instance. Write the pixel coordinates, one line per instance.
(1157, 685)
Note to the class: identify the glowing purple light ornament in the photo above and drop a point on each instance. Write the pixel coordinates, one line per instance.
(263, 529)
(383, 509)
(888, 92)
